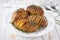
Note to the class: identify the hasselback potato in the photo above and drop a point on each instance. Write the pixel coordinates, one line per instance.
(35, 10)
(26, 25)
(19, 14)
(29, 20)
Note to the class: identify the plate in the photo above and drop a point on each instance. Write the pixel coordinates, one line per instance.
(50, 26)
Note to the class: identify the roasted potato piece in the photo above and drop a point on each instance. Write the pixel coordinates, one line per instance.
(44, 22)
(26, 25)
(19, 14)
(35, 10)
(36, 18)
(22, 13)
(20, 23)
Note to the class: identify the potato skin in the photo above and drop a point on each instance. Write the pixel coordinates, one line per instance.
(31, 24)
(41, 21)
(35, 10)
(29, 20)
(19, 14)
(44, 22)
(26, 25)
(36, 18)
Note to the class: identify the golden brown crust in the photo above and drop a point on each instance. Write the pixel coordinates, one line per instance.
(33, 9)
(30, 20)
(44, 22)
(19, 14)
(26, 25)
(22, 13)
(36, 18)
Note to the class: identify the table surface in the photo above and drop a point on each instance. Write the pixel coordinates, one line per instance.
(6, 34)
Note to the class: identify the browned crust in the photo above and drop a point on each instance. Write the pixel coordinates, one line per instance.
(29, 20)
(35, 10)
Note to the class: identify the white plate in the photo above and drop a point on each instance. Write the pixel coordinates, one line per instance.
(50, 26)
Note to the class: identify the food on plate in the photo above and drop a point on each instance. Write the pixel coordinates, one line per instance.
(26, 25)
(19, 14)
(41, 21)
(36, 18)
(35, 10)
(44, 22)
(29, 20)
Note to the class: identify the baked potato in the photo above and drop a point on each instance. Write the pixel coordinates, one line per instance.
(44, 22)
(35, 10)
(19, 14)
(29, 20)
(26, 25)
